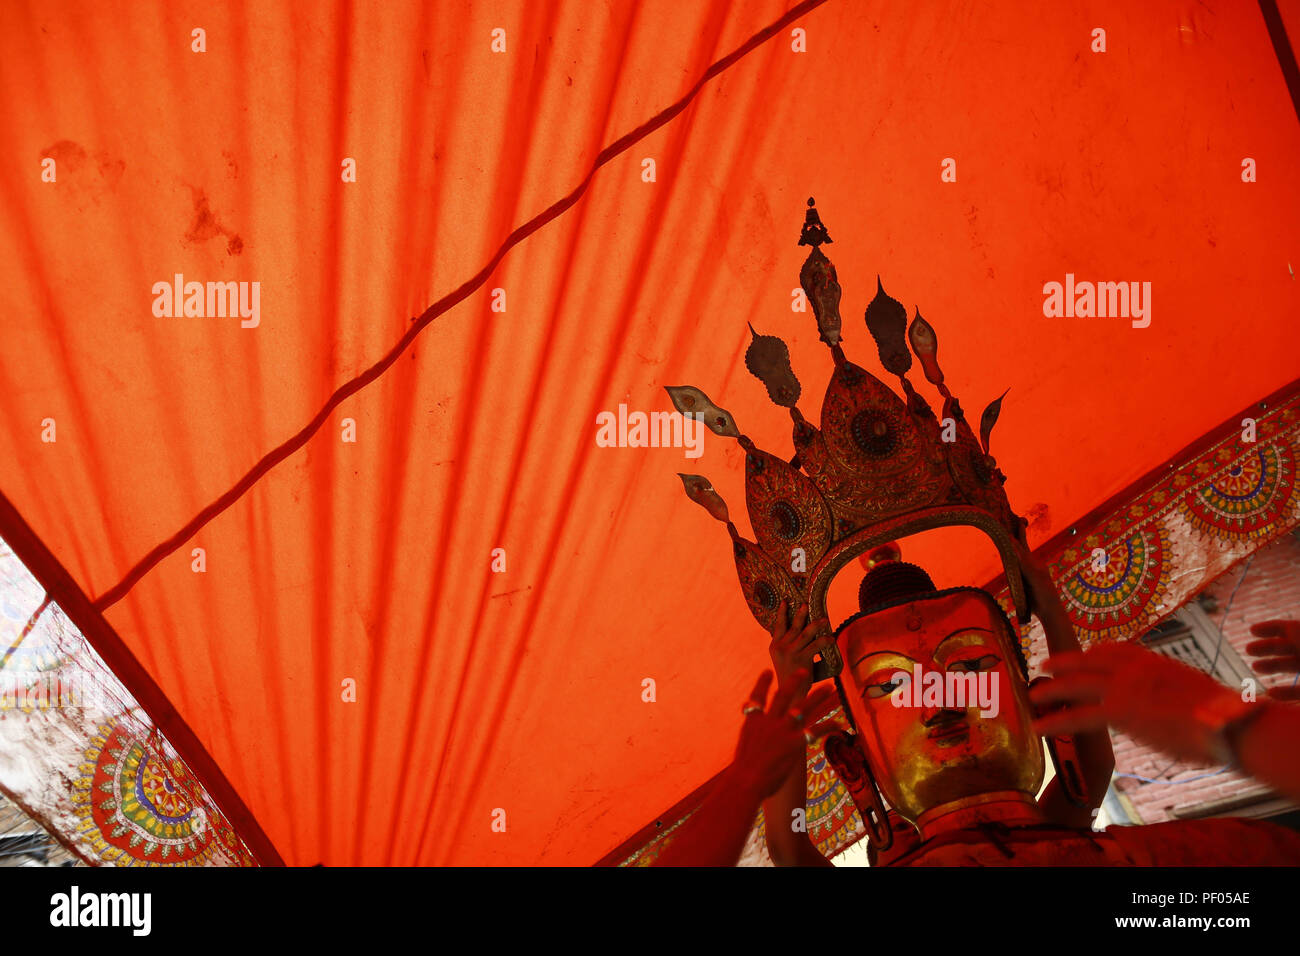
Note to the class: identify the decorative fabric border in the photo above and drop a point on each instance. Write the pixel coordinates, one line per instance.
(1149, 555)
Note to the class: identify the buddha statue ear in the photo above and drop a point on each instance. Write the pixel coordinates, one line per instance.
(843, 754)
(1066, 761)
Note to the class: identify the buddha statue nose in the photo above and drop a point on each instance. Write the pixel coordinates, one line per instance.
(933, 717)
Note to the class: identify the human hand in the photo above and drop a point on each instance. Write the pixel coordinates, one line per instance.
(1152, 697)
(794, 645)
(773, 739)
(1281, 653)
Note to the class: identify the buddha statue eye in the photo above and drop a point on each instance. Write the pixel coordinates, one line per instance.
(971, 664)
(887, 687)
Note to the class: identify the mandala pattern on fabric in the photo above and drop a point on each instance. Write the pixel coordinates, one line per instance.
(833, 820)
(139, 808)
(1247, 499)
(1214, 508)
(1105, 594)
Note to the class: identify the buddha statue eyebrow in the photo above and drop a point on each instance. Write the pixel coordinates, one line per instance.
(958, 633)
(881, 654)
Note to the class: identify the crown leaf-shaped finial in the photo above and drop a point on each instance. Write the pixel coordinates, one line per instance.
(925, 343)
(763, 582)
(822, 288)
(689, 400)
(700, 490)
(989, 419)
(887, 321)
(768, 359)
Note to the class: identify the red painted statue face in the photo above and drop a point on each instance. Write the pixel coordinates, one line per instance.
(941, 707)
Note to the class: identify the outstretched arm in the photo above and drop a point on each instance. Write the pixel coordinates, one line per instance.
(1176, 708)
(715, 835)
(771, 744)
(792, 650)
(787, 846)
(1096, 756)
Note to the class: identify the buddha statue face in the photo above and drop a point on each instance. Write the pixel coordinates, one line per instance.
(939, 701)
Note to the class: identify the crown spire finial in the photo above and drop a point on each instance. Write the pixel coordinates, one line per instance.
(814, 233)
(817, 278)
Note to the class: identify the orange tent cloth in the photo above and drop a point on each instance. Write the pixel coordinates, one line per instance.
(371, 561)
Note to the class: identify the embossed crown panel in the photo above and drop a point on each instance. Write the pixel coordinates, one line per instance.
(883, 458)
(791, 520)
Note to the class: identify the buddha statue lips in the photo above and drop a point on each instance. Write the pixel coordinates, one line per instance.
(937, 693)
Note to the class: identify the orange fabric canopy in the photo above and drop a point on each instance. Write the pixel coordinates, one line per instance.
(327, 560)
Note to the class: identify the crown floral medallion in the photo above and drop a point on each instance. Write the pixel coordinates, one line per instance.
(878, 468)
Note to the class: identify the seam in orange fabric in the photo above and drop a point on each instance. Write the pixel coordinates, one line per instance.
(345, 391)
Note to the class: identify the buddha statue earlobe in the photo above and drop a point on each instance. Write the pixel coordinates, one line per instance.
(844, 755)
(1065, 759)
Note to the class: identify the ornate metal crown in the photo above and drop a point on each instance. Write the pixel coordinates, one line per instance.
(879, 468)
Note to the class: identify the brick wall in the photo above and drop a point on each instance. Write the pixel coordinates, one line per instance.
(1269, 589)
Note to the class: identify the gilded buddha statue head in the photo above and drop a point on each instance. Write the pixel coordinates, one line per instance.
(935, 686)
